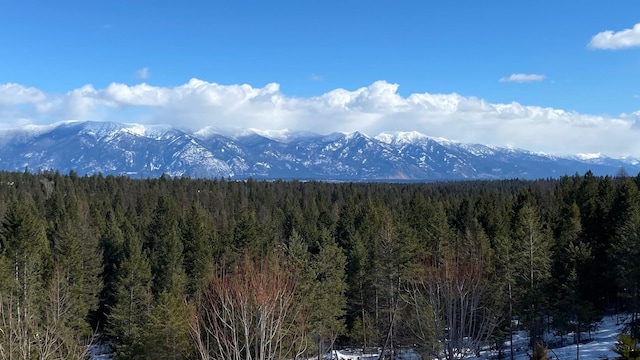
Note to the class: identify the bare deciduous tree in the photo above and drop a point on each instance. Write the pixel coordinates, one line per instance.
(249, 313)
(26, 332)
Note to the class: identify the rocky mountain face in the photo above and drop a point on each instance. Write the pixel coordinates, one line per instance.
(140, 151)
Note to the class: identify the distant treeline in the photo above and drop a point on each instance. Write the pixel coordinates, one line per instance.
(174, 268)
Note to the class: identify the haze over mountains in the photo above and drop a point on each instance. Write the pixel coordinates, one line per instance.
(138, 151)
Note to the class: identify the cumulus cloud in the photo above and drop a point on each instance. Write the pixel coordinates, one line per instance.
(369, 109)
(143, 73)
(14, 94)
(521, 78)
(612, 40)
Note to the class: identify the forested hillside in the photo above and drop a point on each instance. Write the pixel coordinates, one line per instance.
(190, 268)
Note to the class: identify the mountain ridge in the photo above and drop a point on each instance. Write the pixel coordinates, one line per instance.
(89, 147)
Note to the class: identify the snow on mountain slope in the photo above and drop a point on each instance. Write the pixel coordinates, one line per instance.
(410, 137)
(150, 151)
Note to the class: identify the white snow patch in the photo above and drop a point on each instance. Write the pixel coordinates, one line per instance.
(401, 137)
(589, 156)
(410, 137)
(136, 129)
(283, 135)
(603, 340)
(149, 131)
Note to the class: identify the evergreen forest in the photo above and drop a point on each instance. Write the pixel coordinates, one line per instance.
(180, 268)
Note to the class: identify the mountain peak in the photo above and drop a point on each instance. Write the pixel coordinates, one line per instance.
(400, 137)
(409, 137)
(284, 135)
(150, 150)
(589, 156)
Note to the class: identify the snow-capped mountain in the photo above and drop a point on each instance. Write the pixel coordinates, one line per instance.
(150, 151)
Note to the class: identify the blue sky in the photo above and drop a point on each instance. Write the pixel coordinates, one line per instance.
(531, 74)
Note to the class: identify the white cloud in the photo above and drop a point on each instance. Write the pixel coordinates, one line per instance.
(143, 73)
(14, 94)
(371, 109)
(316, 77)
(611, 40)
(521, 78)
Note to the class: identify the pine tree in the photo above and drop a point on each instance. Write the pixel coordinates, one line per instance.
(26, 264)
(570, 255)
(61, 336)
(133, 299)
(164, 245)
(627, 347)
(505, 258)
(198, 238)
(366, 333)
(297, 256)
(112, 242)
(532, 249)
(76, 255)
(166, 335)
(328, 292)
(248, 236)
(625, 251)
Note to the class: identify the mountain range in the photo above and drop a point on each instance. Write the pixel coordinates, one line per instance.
(113, 148)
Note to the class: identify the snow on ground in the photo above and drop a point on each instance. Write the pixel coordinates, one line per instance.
(100, 352)
(603, 339)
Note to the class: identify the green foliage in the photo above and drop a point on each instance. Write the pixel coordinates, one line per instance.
(164, 244)
(570, 256)
(625, 248)
(328, 291)
(124, 254)
(198, 238)
(627, 347)
(532, 265)
(42, 303)
(130, 314)
(166, 335)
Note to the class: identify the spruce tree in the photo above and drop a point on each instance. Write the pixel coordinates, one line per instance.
(133, 299)
(27, 266)
(328, 293)
(166, 335)
(627, 347)
(625, 251)
(112, 242)
(164, 244)
(298, 257)
(76, 255)
(532, 268)
(198, 238)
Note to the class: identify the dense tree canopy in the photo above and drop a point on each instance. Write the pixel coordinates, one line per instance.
(440, 266)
